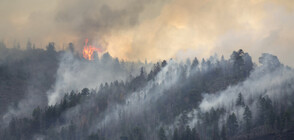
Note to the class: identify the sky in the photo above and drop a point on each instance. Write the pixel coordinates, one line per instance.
(154, 29)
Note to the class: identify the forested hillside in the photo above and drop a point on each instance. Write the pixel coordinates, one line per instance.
(201, 99)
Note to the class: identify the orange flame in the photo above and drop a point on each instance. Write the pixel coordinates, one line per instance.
(89, 50)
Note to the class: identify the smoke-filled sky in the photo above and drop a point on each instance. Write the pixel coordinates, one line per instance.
(154, 29)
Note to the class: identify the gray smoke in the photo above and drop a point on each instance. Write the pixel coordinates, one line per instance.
(92, 19)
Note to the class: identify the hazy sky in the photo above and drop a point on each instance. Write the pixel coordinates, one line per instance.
(154, 29)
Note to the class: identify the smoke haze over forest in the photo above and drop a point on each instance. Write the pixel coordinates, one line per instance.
(145, 29)
(146, 70)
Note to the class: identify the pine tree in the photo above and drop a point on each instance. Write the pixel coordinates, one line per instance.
(266, 113)
(195, 63)
(240, 100)
(232, 124)
(247, 116)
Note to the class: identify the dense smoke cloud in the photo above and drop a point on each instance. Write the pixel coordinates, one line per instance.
(145, 29)
(94, 19)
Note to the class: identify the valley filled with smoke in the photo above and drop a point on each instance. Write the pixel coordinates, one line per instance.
(61, 95)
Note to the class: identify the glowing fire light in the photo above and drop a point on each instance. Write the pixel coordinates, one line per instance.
(89, 50)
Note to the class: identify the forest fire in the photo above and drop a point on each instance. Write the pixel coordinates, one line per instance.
(88, 51)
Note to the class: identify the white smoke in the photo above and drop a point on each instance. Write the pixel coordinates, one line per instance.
(75, 74)
(139, 101)
(270, 79)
